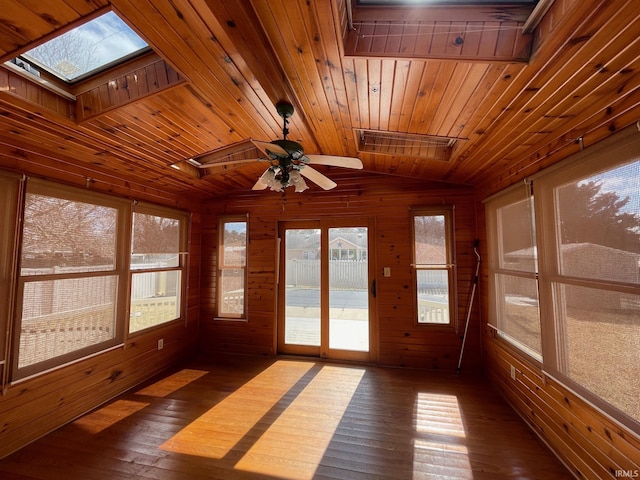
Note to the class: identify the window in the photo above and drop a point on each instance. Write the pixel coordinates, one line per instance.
(585, 240)
(590, 275)
(71, 265)
(434, 266)
(157, 266)
(84, 260)
(232, 263)
(513, 270)
(84, 50)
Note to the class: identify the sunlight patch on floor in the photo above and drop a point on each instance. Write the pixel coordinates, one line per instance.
(301, 434)
(232, 420)
(173, 383)
(439, 447)
(108, 415)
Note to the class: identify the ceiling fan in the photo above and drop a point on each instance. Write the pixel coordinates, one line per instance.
(288, 162)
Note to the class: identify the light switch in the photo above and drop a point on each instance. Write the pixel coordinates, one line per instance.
(386, 271)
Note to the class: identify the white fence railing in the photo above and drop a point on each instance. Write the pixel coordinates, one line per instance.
(48, 336)
(433, 310)
(343, 274)
(147, 312)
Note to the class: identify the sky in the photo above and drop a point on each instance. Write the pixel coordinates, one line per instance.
(104, 39)
(624, 181)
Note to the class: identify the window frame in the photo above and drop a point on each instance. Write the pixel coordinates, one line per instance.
(221, 267)
(155, 210)
(39, 68)
(449, 267)
(607, 155)
(122, 239)
(523, 192)
(11, 186)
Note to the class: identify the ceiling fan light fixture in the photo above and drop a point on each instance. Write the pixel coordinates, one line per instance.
(297, 181)
(277, 180)
(269, 179)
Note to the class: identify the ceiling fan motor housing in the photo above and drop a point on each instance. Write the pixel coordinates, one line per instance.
(284, 109)
(294, 149)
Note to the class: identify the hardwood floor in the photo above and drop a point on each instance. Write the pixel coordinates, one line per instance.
(246, 418)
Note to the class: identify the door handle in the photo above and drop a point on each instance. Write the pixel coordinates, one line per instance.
(373, 288)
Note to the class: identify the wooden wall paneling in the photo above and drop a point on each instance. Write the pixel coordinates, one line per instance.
(15, 88)
(194, 271)
(387, 201)
(578, 462)
(129, 87)
(66, 170)
(594, 446)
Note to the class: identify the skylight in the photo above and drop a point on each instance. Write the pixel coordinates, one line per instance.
(87, 49)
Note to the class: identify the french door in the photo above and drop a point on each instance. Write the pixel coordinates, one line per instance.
(325, 289)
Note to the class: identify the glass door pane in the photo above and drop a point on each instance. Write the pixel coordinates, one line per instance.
(348, 289)
(302, 287)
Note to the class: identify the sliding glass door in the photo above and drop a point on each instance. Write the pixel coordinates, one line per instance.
(325, 290)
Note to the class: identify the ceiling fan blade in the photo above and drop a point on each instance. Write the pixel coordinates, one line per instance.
(259, 185)
(318, 178)
(263, 181)
(242, 150)
(345, 162)
(271, 147)
(230, 162)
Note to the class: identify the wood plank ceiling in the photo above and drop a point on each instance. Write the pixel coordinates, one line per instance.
(503, 92)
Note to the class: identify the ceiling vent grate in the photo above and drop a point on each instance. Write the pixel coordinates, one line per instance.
(390, 143)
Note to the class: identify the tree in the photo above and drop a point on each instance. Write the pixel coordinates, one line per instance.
(588, 215)
(155, 235)
(69, 55)
(66, 232)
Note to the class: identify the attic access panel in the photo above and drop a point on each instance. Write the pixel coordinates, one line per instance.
(427, 147)
(86, 50)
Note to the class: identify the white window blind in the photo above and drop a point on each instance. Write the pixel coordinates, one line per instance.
(157, 266)
(590, 277)
(513, 269)
(69, 276)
